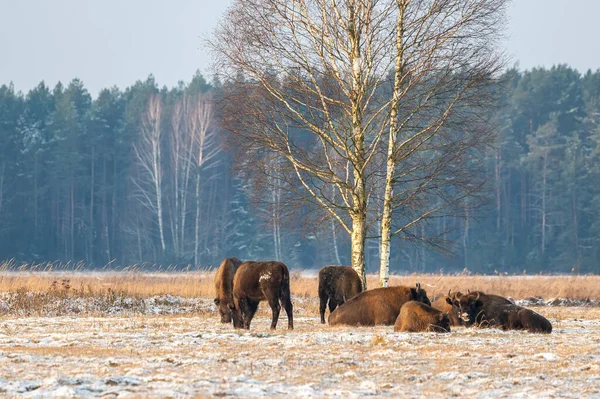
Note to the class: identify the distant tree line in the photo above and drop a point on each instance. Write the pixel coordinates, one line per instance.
(146, 174)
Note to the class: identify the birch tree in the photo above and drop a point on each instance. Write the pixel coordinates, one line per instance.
(182, 157)
(148, 155)
(317, 72)
(304, 75)
(446, 67)
(200, 125)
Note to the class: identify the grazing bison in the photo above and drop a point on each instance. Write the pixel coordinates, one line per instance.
(337, 284)
(475, 309)
(260, 281)
(224, 287)
(442, 305)
(378, 306)
(417, 317)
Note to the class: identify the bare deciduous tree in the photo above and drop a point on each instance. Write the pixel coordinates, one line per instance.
(182, 160)
(310, 81)
(308, 72)
(445, 69)
(148, 155)
(200, 125)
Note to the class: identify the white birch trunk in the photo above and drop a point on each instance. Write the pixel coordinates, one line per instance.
(544, 180)
(197, 226)
(386, 218)
(358, 245)
(359, 195)
(148, 153)
(336, 251)
(156, 165)
(200, 120)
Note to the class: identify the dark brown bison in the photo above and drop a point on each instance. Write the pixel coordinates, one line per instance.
(519, 318)
(475, 309)
(417, 317)
(378, 306)
(489, 304)
(442, 305)
(337, 284)
(260, 281)
(224, 287)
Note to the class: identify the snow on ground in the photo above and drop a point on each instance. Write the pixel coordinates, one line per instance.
(33, 303)
(184, 355)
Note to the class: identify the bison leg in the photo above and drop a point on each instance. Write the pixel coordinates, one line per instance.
(332, 304)
(289, 311)
(323, 305)
(242, 307)
(252, 306)
(276, 308)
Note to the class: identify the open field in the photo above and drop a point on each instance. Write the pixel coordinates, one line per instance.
(177, 356)
(134, 334)
(136, 284)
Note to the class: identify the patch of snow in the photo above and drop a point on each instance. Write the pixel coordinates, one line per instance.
(551, 357)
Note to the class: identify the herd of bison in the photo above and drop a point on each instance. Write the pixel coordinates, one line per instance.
(240, 286)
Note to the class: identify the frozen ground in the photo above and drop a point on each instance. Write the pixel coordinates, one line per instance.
(184, 355)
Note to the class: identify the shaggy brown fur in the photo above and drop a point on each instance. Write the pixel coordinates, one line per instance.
(519, 318)
(261, 281)
(442, 305)
(337, 284)
(486, 310)
(478, 309)
(377, 306)
(224, 287)
(417, 317)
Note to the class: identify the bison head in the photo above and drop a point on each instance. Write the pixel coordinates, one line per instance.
(420, 295)
(467, 307)
(224, 307)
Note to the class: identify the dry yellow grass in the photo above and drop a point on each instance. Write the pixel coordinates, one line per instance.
(144, 281)
(200, 284)
(517, 287)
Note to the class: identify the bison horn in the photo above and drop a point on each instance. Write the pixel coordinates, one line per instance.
(477, 297)
(418, 286)
(468, 291)
(449, 295)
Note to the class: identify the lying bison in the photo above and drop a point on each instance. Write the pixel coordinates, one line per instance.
(260, 281)
(442, 305)
(474, 309)
(337, 284)
(417, 317)
(378, 306)
(224, 287)
(487, 310)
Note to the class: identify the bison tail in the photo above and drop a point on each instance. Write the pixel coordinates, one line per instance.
(284, 288)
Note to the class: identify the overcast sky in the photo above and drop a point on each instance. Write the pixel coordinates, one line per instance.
(116, 42)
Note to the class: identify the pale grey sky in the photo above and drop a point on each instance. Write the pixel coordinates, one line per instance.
(116, 42)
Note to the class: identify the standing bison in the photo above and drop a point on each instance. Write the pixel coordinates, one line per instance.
(260, 281)
(476, 308)
(224, 287)
(337, 284)
(417, 317)
(378, 306)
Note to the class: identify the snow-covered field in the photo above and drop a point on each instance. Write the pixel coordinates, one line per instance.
(194, 355)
